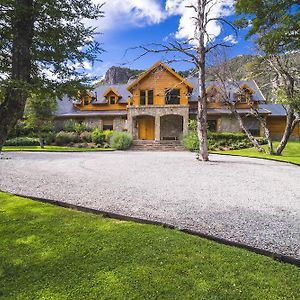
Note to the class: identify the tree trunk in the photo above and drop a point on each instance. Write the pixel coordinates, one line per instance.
(247, 132)
(11, 110)
(202, 99)
(287, 131)
(41, 140)
(267, 134)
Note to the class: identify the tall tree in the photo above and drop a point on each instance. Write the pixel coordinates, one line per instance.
(194, 50)
(43, 42)
(276, 26)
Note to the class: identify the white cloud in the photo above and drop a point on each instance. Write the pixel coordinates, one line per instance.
(186, 29)
(137, 13)
(230, 39)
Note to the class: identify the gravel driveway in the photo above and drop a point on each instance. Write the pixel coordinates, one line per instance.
(253, 201)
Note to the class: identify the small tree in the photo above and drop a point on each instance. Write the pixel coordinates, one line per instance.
(39, 113)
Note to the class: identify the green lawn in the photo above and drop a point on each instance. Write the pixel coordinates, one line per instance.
(48, 252)
(53, 149)
(290, 154)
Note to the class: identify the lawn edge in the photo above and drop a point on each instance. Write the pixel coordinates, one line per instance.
(257, 157)
(57, 151)
(110, 215)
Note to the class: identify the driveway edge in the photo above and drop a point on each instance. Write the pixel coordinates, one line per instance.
(111, 215)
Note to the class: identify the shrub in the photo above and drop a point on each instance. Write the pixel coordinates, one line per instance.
(65, 138)
(49, 138)
(190, 141)
(98, 137)
(22, 141)
(86, 137)
(120, 140)
(74, 126)
(219, 141)
(108, 133)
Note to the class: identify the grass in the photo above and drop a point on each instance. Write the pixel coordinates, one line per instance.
(49, 252)
(290, 154)
(53, 149)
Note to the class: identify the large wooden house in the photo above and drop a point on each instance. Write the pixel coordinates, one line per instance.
(159, 104)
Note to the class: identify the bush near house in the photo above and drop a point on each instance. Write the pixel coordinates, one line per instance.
(49, 138)
(74, 126)
(120, 140)
(218, 140)
(22, 141)
(85, 137)
(98, 137)
(65, 138)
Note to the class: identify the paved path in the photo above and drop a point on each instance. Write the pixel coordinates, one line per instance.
(253, 201)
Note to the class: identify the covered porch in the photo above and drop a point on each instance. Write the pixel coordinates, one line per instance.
(158, 122)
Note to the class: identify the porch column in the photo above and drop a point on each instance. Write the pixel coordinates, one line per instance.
(157, 128)
(130, 124)
(185, 123)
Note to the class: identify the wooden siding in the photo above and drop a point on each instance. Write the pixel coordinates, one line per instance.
(276, 126)
(159, 81)
(194, 105)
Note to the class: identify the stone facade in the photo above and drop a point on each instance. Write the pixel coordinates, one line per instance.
(157, 112)
(228, 124)
(120, 124)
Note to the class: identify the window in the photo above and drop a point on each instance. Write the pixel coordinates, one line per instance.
(212, 125)
(112, 100)
(244, 96)
(146, 97)
(142, 97)
(150, 97)
(108, 125)
(173, 96)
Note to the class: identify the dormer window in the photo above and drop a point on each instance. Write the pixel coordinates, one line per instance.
(112, 96)
(213, 94)
(245, 94)
(87, 98)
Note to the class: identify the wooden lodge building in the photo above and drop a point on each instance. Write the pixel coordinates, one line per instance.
(159, 104)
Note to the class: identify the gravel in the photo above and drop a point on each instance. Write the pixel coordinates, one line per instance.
(253, 201)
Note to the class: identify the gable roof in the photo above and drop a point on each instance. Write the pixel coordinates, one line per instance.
(120, 89)
(157, 64)
(111, 89)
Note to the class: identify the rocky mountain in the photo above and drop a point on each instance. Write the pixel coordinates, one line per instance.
(115, 75)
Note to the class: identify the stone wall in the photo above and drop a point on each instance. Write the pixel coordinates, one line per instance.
(93, 122)
(228, 124)
(120, 124)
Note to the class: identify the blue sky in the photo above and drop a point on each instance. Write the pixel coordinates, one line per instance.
(130, 23)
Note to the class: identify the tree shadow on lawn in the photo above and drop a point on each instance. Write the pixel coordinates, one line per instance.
(49, 252)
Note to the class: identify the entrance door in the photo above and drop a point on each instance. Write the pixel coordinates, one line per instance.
(147, 128)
